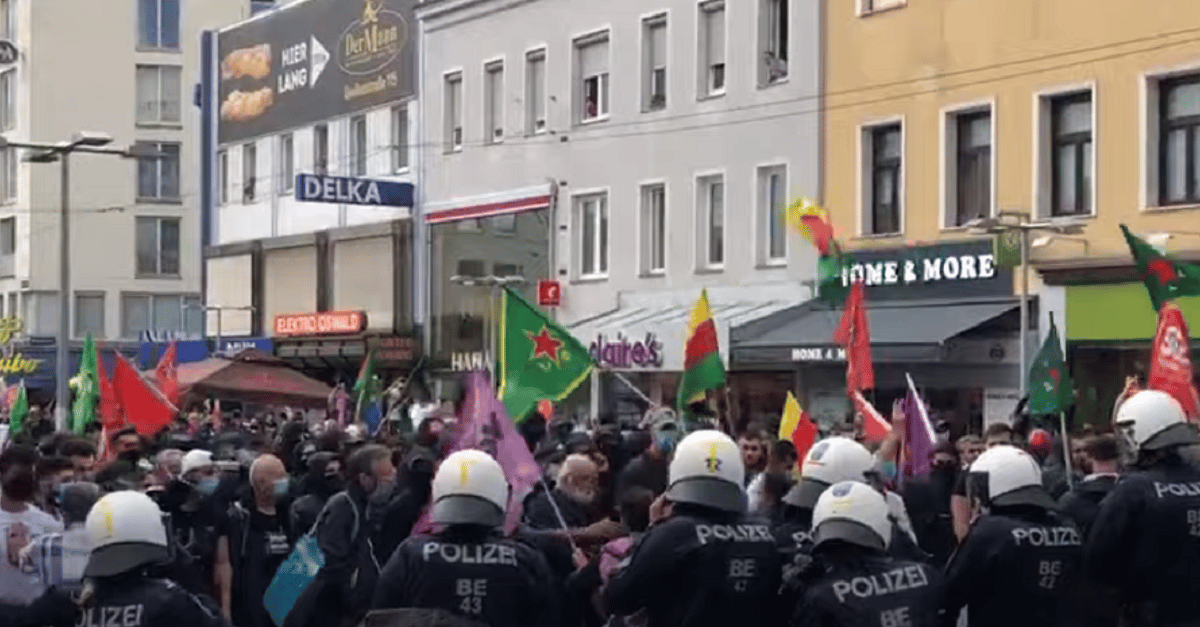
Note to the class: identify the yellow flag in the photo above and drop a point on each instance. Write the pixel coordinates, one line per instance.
(791, 418)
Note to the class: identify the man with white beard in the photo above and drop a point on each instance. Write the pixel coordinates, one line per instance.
(574, 494)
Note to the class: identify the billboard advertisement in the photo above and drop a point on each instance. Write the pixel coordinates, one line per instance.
(313, 60)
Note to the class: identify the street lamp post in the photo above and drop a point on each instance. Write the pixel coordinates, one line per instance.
(85, 142)
(1023, 226)
(220, 309)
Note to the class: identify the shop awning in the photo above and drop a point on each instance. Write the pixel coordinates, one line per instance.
(900, 331)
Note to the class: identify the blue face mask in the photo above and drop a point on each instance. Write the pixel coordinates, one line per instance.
(207, 485)
(281, 487)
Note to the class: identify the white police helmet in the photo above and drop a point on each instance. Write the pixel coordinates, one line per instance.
(707, 470)
(829, 461)
(1007, 475)
(1152, 420)
(126, 531)
(469, 489)
(854, 512)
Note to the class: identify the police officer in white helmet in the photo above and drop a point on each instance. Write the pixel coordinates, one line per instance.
(128, 537)
(1145, 541)
(468, 569)
(860, 583)
(705, 562)
(831, 461)
(1019, 562)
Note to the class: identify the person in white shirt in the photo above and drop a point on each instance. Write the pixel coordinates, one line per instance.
(58, 558)
(20, 521)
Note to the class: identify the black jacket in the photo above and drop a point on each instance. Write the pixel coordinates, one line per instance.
(874, 589)
(1030, 559)
(472, 572)
(1145, 542)
(928, 505)
(129, 601)
(1082, 503)
(701, 568)
(540, 513)
(341, 591)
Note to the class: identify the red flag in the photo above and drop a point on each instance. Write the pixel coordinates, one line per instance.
(854, 334)
(109, 410)
(1171, 361)
(804, 436)
(144, 406)
(165, 375)
(875, 427)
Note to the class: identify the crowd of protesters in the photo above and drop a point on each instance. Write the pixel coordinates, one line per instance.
(235, 498)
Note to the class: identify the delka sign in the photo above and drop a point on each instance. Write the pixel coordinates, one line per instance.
(549, 293)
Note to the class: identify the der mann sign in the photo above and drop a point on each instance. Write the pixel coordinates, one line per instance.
(951, 270)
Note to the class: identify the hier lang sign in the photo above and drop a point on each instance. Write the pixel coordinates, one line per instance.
(625, 352)
(947, 270)
(353, 191)
(321, 323)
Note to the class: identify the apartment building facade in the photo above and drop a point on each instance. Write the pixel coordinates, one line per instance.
(134, 223)
(942, 113)
(633, 152)
(310, 109)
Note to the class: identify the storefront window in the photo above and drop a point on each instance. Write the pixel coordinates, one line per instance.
(1099, 374)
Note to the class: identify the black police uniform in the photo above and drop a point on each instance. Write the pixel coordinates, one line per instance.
(1017, 566)
(470, 571)
(872, 590)
(1145, 542)
(701, 567)
(136, 601)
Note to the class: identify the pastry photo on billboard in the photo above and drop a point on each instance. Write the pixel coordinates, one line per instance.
(241, 106)
(253, 62)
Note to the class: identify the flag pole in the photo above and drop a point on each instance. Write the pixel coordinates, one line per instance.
(1062, 421)
(623, 379)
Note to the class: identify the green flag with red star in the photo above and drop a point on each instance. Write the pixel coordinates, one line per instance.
(1051, 390)
(539, 360)
(1166, 279)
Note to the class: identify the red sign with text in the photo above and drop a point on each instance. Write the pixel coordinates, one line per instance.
(549, 293)
(322, 323)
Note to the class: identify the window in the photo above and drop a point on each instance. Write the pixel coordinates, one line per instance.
(1071, 163)
(712, 49)
(158, 93)
(469, 225)
(160, 313)
(654, 58)
(8, 247)
(773, 41)
(321, 149)
(592, 56)
(505, 224)
(158, 176)
(493, 105)
(772, 198)
(249, 172)
(535, 92)
(591, 219)
(471, 268)
(89, 314)
(871, 6)
(654, 229)
(969, 187)
(710, 198)
(14, 307)
(222, 177)
(157, 246)
(1179, 143)
(287, 163)
(158, 24)
(452, 113)
(8, 174)
(507, 269)
(883, 152)
(358, 145)
(399, 138)
(260, 6)
(41, 313)
(8, 26)
(8, 100)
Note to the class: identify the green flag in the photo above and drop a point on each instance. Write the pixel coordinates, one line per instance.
(18, 412)
(1050, 386)
(538, 359)
(1166, 279)
(831, 280)
(87, 391)
(366, 394)
(1006, 248)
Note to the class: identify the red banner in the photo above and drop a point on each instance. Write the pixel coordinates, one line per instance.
(1171, 361)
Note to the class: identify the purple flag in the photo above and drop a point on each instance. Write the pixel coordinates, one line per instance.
(919, 437)
(484, 425)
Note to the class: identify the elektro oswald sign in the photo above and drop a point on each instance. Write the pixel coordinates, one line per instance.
(313, 60)
(623, 352)
(949, 270)
(321, 323)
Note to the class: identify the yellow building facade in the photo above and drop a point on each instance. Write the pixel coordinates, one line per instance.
(937, 113)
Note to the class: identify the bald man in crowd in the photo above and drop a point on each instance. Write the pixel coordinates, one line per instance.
(255, 539)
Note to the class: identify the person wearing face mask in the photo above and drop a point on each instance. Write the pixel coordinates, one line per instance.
(254, 540)
(340, 592)
(194, 514)
(393, 521)
(928, 502)
(649, 469)
(323, 480)
(127, 444)
(20, 521)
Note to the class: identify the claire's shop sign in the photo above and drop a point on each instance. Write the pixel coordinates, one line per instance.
(938, 271)
(624, 352)
(321, 323)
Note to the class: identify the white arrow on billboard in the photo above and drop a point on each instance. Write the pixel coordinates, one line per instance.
(320, 57)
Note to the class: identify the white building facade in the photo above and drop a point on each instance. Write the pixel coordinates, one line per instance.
(657, 142)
